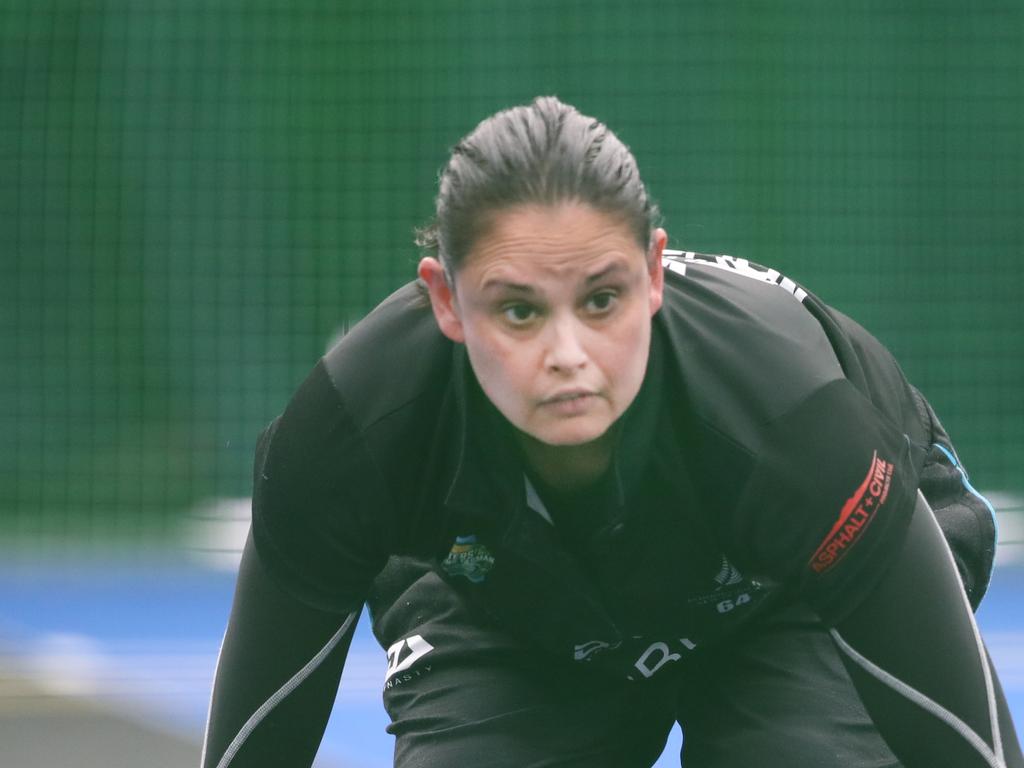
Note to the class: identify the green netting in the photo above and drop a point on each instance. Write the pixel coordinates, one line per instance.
(196, 197)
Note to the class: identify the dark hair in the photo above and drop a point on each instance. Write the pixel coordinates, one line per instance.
(545, 152)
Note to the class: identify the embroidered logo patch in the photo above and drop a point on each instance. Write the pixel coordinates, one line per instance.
(468, 558)
(855, 516)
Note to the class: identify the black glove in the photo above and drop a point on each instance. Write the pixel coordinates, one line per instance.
(965, 517)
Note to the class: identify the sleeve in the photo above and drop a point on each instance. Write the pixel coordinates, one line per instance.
(322, 518)
(966, 518)
(916, 657)
(828, 500)
(277, 675)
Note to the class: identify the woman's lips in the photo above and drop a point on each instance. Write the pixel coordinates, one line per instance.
(570, 403)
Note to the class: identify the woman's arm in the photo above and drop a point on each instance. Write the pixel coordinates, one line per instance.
(277, 675)
(916, 657)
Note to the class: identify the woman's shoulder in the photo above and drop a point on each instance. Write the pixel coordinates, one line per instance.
(378, 388)
(346, 453)
(763, 343)
(743, 341)
(392, 358)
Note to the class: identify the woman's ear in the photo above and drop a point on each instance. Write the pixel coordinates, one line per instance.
(442, 298)
(655, 269)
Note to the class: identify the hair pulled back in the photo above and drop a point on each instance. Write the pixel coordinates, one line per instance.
(546, 153)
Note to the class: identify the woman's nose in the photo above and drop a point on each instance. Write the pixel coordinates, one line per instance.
(565, 351)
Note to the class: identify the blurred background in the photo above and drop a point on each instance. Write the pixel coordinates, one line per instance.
(196, 198)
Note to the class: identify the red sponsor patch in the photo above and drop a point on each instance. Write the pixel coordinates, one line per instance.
(855, 516)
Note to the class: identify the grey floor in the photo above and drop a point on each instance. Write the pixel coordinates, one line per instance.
(39, 729)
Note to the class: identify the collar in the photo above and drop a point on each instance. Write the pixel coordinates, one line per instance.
(490, 482)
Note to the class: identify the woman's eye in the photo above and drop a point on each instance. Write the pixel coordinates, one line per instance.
(519, 314)
(602, 301)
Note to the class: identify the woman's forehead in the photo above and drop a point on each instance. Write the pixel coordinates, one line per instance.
(564, 239)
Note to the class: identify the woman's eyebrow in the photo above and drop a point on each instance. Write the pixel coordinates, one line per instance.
(611, 269)
(497, 283)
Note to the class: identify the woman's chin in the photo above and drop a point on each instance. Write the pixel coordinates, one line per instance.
(574, 441)
(571, 435)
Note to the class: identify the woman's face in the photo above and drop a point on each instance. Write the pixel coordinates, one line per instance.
(554, 305)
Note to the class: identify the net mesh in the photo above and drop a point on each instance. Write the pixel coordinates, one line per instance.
(195, 198)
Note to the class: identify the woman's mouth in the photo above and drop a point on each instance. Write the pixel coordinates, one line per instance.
(570, 403)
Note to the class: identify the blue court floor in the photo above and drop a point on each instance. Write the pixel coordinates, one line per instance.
(138, 635)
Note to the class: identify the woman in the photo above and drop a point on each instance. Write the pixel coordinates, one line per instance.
(591, 487)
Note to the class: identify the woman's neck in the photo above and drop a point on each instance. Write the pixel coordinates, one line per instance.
(568, 467)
